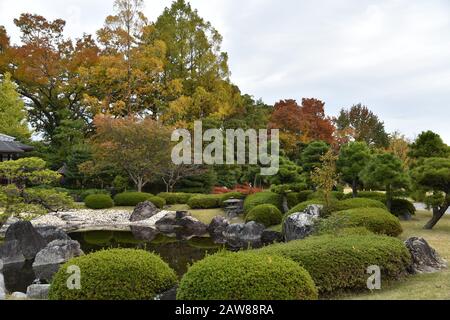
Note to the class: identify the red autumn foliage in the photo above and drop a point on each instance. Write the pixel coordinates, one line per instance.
(245, 189)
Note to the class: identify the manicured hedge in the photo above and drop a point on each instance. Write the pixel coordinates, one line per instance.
(99, 201)
(267, 214)
(131, 199)
(263, 198)
(246, 276)
(85, 193)
(209, 201)
(374, 219)
(295, 198)
(338, 195)
(373, 195)
(176, 198)
(358, 203)
(338, 263)
(117, 274)
(158, 201)
(402, 206)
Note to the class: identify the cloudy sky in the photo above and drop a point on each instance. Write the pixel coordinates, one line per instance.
(391, 55)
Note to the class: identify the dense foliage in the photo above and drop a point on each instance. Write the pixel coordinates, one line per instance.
(117, 274)
(257, 199)
(246, 276)
(131, 199)
(338, 263)
(99, 201)
(266, 214)
(376, 220)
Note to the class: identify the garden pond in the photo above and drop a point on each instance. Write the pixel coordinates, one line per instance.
(179, 254)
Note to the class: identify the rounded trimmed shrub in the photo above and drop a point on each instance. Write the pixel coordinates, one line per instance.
(376, 220)
(372, 195)
(358, 203)
(267, 214)
(176, 197)
(400, 207)
(338, 195)
(295, 198)
(263, 198)
(99, 201)
(339, 263)
(158, 201)
(116, 274)
(246, 276)
(131, 199)
(85, 193)
(209, 201)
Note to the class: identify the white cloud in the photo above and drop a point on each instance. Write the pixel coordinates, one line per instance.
(392, 55)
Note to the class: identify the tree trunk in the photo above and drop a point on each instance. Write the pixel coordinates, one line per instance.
(389, 198)
(285, 204)
(355, 189)
(438, 213)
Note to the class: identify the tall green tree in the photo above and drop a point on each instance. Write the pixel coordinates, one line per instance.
(385, 171)
(361, 124)
(429, 145)
(12, 111)
(353, 158)
(433, 175)
(311, 156)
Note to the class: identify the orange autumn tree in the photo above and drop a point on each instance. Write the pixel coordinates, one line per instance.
(301, 124)
(139, 147)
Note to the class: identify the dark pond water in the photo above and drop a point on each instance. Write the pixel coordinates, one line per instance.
(177, 253)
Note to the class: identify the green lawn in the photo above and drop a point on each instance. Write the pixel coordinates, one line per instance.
(204, 215)
(419, 287)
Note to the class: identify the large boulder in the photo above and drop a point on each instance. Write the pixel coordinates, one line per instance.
(181, 224)
(144, 211)
(193, 227)
(51, 233)
(300, 225)
(425, 258)
(30, 241)
(270, 237)
(11, 220)
(38, 291)
(49, 259)
(2, 283)
(144, 233)
(11, 253)
(244, 235)
(217, 227)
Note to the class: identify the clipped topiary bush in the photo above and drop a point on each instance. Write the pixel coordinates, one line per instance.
(339, 263)
(358, 203)
(337, 195)
(99, 201)
(379, 196)
(246, 276)
(267, 214)
(295, 198)
(376, 220)
(263, 198)
(176, 198)
(158, 201)
(85, 193)
(131, 199)
(117, 274)
(209, 201)
(401, 207)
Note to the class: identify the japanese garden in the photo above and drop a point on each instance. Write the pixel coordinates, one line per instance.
(91, 197)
